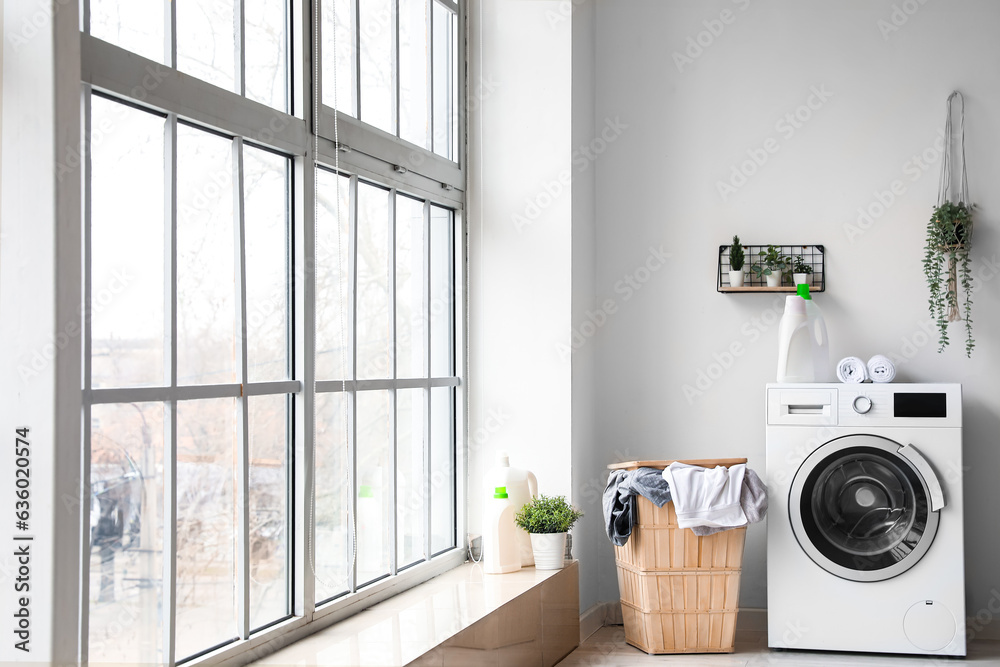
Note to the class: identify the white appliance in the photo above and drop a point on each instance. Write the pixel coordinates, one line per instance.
(865, 547)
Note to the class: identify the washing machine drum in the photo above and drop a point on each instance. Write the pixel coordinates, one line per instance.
(860, 509)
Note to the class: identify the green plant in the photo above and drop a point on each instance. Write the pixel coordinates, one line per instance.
(736, 257)
(547, 514)
(773, 262)
(799, 266)
(948, 234)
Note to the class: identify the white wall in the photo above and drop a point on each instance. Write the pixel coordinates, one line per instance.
(657, 184)
(519, 254)
(40, 324)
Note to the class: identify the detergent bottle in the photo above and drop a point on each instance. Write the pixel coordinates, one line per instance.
(500, 547)
(795, 353)
(822, 370)
(521, 487)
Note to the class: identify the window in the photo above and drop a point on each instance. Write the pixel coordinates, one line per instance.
(272, 381)
(393, 64)
(251, 60)
(388, 376)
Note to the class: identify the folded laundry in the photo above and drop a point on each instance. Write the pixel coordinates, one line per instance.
(852, 370)
(619, 495)
(881, 369)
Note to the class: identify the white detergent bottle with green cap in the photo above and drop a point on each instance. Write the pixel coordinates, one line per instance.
(521, 487)
(823, 371)
(500, 550)
(795, 355)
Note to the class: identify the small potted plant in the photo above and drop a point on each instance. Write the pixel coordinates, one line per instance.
(948, 270)
(771, 266)
(800, 271)
(736, 260)
(547, 520)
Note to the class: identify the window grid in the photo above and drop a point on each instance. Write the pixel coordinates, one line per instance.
(171, 392)
(422, 186)
(352, 386)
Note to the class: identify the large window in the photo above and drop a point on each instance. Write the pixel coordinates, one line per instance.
(393, 65)
(273, 353)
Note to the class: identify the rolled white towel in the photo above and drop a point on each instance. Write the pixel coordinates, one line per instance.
(881, 369)
(852, 370)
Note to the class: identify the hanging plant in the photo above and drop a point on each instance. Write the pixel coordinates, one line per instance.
(947, 267)
(949, 238)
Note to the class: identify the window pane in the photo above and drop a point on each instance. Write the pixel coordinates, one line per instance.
(333, 297)
(333, 497)
(377, 64)
(411, 315)
(374, 481)
(269, 599)
(411, 511)
(127, 239)
(445, 82)
(206, 41)
(130, 25)
(206, 520)
(414, 74)
(442, 468)
(126, 533)
(266, 39)
(442, 293)
(207, 345)
(373, 326)
(265, 190)
(341, 95)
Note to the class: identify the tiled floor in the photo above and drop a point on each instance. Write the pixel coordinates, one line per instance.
(607, 648)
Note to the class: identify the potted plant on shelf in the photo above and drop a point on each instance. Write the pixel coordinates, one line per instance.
(800, 271)
(736, 261)
(949, 233)
(771, 266)
(547, 520)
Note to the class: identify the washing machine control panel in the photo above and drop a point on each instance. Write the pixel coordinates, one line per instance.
(871, 405)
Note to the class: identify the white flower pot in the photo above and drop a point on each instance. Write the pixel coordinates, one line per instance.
(774, 279)
(549, 550)
(736, 277)
(801, 278)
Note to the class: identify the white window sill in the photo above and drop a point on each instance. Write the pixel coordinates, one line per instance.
(426, 625)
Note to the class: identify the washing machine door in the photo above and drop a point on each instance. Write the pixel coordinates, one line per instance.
(864, 507)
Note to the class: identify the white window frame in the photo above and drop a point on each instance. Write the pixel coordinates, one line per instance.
(364, 152)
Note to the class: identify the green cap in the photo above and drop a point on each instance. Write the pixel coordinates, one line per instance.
(803, 291)
(500, 492)
(365, 491)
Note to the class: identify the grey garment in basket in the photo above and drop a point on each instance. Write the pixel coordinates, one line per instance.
(619, 504)
(753, 500)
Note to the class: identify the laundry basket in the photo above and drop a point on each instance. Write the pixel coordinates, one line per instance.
(680, 592)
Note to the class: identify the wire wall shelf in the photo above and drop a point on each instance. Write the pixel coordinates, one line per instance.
(812, 256)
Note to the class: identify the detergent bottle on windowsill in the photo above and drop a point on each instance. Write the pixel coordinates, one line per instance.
(500, 548)
(521, 486)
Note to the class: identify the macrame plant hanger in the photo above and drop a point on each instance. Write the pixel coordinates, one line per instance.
(947, 191)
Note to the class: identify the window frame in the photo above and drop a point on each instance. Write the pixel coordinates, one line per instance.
(364, 153)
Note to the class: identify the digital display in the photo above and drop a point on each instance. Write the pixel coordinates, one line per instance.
(934, 406)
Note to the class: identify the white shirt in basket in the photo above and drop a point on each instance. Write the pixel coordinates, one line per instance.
(706, 496)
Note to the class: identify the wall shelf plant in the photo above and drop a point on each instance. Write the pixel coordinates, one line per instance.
(781, 261)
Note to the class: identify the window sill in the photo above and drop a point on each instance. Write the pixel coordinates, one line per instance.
(462, 615)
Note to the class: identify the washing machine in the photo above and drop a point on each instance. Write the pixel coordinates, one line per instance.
(865, 547)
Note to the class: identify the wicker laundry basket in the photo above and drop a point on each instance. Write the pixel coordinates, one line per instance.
(680, 592)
